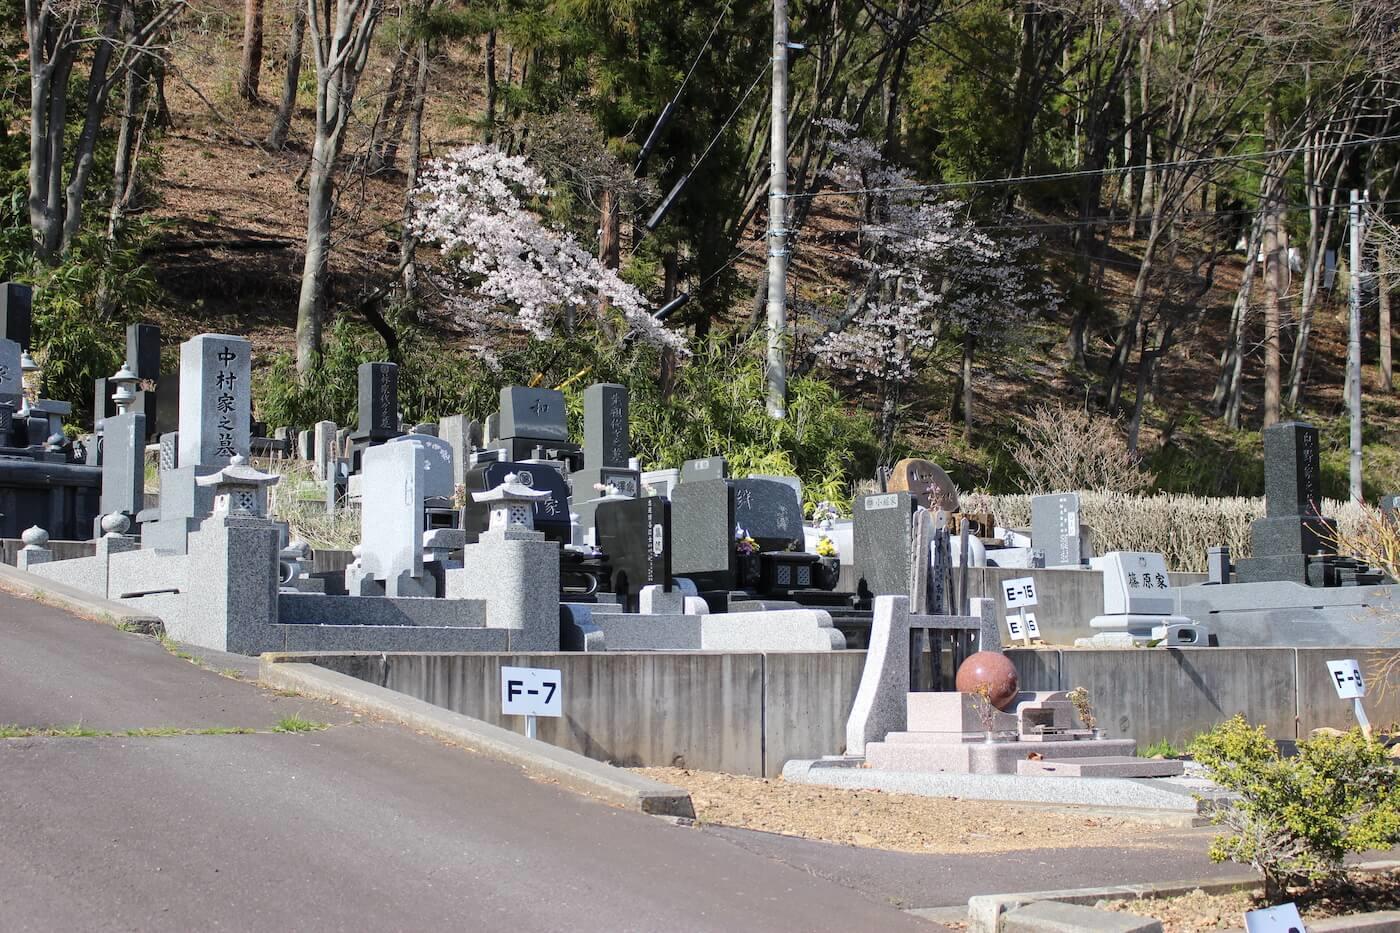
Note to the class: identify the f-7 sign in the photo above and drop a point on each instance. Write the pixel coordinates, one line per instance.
(531, 691)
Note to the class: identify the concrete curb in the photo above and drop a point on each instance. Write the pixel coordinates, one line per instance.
(570, 769)
(79, 601)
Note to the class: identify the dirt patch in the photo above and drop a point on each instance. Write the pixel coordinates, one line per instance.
(901, 822)
(1198, 911)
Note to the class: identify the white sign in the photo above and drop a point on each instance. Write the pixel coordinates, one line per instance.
(1032, 629)
(1346, 677)
(1013, 625)
(1281, 919)
(1019, 592)
(531, 691)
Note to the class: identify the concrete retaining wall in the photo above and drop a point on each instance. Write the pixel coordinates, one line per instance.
(750, 713)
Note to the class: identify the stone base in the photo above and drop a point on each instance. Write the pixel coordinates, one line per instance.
(975, 756)
(1109, 766)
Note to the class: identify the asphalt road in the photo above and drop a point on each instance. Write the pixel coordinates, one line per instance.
(360, 826)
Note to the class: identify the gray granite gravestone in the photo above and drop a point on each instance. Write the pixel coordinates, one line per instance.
(103, 407)
(1055, 528)
(16, 312)
(463, 435)
(215, 399)
(437, 463)
(881, 533)
(123, 467)
(707, 468)
(391, 516)
(702, 539)
(605, 427)
(324, 448)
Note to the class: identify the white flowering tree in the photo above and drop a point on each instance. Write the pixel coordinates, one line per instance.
(931, 274)
(504, 266)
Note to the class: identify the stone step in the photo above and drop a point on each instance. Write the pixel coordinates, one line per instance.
(1107, 766)
(898, 753)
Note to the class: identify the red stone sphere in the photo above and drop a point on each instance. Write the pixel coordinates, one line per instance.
(993, 669)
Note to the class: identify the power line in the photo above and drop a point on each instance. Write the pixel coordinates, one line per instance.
(1085, 173)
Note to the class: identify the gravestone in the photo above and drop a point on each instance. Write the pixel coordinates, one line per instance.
(882, 529)
(103, 407)
(770, 512)
(703, 469)
(1055, 529)
(11, 376)
(437, 463)
(324, 449)
(635, 535)
(123, 467)
(491, 431)
(463, 435)
(702, 539)
(537, 414)
(16, 312)
(927, 482)
(605, 427)
(216, 402)
(391, 517)
(378, 402)
(551, 513)
(1292, 530)
(1136, 583)
(143, 350)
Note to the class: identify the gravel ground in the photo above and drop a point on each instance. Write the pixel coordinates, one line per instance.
(900, 822)
(1197, 911)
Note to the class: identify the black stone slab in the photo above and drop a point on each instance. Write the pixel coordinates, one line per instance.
(770, 512)
(378, 401)
(143, 350)
(636, 537)
(16, 312)
(551, 515)
(533, 413)
(1292, 472)
(606, 440)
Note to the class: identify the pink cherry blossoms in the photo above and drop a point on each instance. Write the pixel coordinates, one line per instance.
(505, 266)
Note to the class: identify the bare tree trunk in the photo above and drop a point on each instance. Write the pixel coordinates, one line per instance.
(409, 243)
(1128, 204)
(1273, 286)
(130, 132)
(282, 122)
(341, 44)
(609, 240)
(969, 347)
(250, 72)
(489, 133)
(1226, 386)
(379, 133)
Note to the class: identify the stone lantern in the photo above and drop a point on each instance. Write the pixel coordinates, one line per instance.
(240, 491)
(125, 392)
(31, 377)
(510, 506)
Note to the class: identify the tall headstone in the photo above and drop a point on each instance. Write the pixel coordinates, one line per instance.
(702, 539)
(1055, 528)
(323, 448)
(605, 427)
(463, 435)
(11, 377)
(123, 466)
(143, 350)
(635, 534)
(882, 533)
(391, 517)
(1292, 530)
(215, 399)
(379, 401)
(16, 312)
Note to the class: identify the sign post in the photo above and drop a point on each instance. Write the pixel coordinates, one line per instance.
(1346, 677)
(531, 692)
(1019, 594)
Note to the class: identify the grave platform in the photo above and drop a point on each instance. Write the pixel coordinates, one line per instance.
(912, 751)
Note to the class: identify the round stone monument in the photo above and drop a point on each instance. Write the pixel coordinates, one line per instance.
(993, 669)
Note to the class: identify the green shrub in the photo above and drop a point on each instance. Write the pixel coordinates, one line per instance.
(1294, 819)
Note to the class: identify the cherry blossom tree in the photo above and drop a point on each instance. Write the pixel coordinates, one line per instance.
(931, 274)
(505, 267)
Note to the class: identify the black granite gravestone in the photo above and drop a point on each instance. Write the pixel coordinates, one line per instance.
(378, 402)
(143, 350)
(1292, 537)
(769, 511)
(551, 515)
(534, 425)
(635, 535)
(16, 312)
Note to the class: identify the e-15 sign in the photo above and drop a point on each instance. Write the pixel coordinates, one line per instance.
(1019, 592)
(531, 691)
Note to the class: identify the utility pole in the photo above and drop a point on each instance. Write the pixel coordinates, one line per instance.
(1353, 386)
(777, 213)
